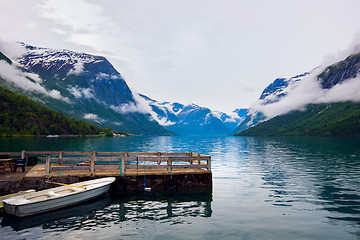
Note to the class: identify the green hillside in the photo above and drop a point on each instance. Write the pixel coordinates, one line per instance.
(20, 116)
(336, 119)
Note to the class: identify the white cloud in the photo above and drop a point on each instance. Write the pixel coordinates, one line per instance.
(233, 117)
(91, 116)
(20, 79)
(11, 49)
(34, 77)
(77, 69)
(79, 92)
(216, 114)
(153, 37)
(128, 108)
(349, 90)
(106, 76)
(142, 106)
(205, 40)
(307, 91)
(164, 121)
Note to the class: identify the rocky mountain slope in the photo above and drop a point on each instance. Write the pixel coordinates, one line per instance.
(89, 88)
(80, 85)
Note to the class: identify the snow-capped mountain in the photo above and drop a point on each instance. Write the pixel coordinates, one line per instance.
(88, 87)
(80, 85)
(193, 119)
(277, 89)
(271, 94)
(335, 83)
(81, 75)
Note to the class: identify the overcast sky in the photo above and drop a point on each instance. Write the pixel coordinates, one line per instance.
(219, 54)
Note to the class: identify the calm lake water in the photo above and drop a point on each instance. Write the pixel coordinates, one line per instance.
(263, 188)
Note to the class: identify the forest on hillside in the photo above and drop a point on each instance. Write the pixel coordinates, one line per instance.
(20, 116)
(340, 119)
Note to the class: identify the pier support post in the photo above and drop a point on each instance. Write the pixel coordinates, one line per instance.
(122, 170)
(47, 166)
(159, 158)
(208, 164)
(169, 165)
(92, 164)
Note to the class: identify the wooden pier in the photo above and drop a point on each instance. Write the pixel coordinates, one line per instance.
(133, 170)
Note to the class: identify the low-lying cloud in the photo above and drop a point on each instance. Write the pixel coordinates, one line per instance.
(307, 91)
(11, 49)
(79, 92)
(13, 75)
(77, 69)
(142, 106)
(91, 116)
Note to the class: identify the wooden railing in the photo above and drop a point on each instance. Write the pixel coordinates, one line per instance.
(63, 161)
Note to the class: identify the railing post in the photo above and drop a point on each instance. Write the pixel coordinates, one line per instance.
(159, 158)
(126, 157)
(23, 154)
(169, 164)
(92, 164)
(122, 166)
(60, 155)
(47, 166)
(209, 164)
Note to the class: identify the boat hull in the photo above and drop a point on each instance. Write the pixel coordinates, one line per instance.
(77, 195)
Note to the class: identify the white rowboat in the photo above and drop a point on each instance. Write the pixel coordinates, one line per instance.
(54, 198)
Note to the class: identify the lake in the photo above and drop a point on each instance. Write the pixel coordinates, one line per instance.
(263, 188)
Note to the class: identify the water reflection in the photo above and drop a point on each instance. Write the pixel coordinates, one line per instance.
(114, 209)
(323, 172)
(171, 207)
(265, 188)
(66, 217)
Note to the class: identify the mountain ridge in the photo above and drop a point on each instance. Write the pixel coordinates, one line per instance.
(340, 119)
(338, 79)
(83, 86)
(193, 119)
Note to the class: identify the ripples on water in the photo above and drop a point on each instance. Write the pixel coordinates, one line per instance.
(263, 188)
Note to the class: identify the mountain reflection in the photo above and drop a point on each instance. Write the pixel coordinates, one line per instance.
(320, 171)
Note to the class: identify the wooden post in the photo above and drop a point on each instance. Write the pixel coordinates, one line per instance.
(122, 165)
(159, 158)
(47, 167)
(23, 154)
(169, 163)
(92, 164)
(60, 155)
(209, 164)
(125, 156)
